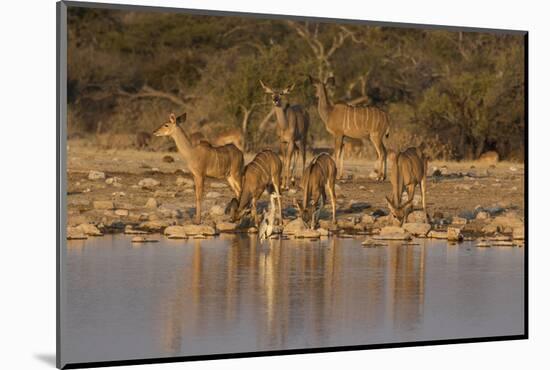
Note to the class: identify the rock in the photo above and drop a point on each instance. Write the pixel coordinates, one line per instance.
(96, 175)
(74, 233)
(454, 234)
(164, 194)
(192, 229)
(361, 187)
(294, 226)
(151, 203)
(437, 234)
(483, 215)
(307, 234)
(373, 175)
(373, 243)
(183, 181)
(322, 232)
(177, 232)
(489, 229)
(468, 215)
(379, 213)
(393, 233)
(345, 224)
(131, 231)
(495, 211)
(417, 229)
(358, 206)
(463, 187)
(122, 212)
(459, 220)
(217, 210)
(89, 229)
(513, 169)
(483, 244)
(148, 183)
(103, 204)
(199, 236)
(143, 239)
(213, 195)
(490, 157)
(518, 233)
(500, 238)
(168, 159)
(387, 230)
(252, 230)
(367, 219)
(225, 227)
(507, 222)
(417, 217)
(113, 181)
(503, 243)
(153, 225)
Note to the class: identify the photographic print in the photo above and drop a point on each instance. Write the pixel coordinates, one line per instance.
(244, 184)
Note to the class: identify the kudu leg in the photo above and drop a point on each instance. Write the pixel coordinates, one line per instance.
(199, 185)
(332, 195)
(381, 153)
(254, 212)
(338, 143)
(278, 193)
(423, 191)
(289, 155)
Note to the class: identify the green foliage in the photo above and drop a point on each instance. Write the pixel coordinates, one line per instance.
(461, 92)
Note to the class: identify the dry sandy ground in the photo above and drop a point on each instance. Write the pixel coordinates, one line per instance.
(465, 186)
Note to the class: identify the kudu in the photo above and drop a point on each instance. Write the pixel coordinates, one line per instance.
(409, 168)
(292, 128)
(320, 173)
(204, 160)
(342, 120)
(143, 139)
(262, 173)
(233, 136)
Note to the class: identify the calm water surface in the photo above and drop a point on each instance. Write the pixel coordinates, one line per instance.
(234, 294)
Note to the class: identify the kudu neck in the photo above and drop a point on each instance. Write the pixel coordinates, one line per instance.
(182, 141)
(280, 113)
(324, 104)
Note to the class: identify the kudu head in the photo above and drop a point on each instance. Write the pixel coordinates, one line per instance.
(234, 210)
(400, 212)
(168, 128)
(276, 95)
(320, 86)
(303, 212)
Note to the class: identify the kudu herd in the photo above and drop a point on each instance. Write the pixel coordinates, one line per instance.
(221, 158)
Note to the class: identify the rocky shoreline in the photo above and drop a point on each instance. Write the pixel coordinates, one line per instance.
(465, 202)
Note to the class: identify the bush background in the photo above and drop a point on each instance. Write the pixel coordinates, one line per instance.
(458, 93)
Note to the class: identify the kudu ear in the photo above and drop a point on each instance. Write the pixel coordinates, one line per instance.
(312, 79)
(181, 119)
(172, 118)
(266, 88)
(288, 89)
(330, 81)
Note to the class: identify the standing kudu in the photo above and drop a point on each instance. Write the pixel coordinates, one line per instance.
(204, 160)
(320, 173)
(263, 173)
(342, 120)
(409, 168)
(292, 127)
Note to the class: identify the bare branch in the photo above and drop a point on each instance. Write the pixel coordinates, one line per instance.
(149, 92)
